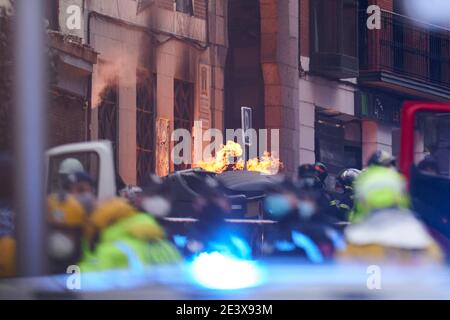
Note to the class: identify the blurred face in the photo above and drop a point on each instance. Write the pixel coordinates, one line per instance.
(339, 187)
(307, 207)
(81, 188)
(157, 205)
(279, 205)
(212, 207)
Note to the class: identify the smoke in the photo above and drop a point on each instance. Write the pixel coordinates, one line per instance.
(114, 67)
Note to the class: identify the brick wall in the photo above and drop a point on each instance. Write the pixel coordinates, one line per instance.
(384, 4)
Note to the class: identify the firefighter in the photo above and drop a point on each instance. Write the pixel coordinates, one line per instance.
(386, 229)
(308, 177)
(344, 195)
(381, 158)
(119, 236)
(322, 173)
(311, 178)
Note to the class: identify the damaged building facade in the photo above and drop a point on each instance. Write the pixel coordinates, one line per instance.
(160, 66)
(135, 70)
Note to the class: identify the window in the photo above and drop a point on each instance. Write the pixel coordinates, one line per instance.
(334, 30)
(143, 5)
(337, 143)
(433, 139)
(52, 14)
(90, 162)
(108, 116)
(183, 109)
(184, 6)
(145, 124)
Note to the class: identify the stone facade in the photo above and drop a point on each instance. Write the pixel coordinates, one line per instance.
(171, 46)
(154, 37)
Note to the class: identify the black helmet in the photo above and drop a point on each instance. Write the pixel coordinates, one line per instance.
(306, 171)
(381, 158)
(321, 170)
(347, 176)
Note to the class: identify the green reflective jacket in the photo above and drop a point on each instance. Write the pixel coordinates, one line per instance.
(378, 188)
(133, 242)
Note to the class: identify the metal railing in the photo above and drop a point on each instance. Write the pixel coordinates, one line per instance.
(406, 47)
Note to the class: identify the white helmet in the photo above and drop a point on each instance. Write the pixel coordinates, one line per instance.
(70, 165)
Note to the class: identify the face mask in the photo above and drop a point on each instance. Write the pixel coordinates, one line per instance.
(277, 205)
(157, 206)
(60, 246)
(87, 200)
(306, 209)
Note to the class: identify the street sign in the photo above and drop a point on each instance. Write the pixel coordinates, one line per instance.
(246, 122)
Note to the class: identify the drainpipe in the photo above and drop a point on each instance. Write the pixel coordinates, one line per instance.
(89, 92)
(213, 100)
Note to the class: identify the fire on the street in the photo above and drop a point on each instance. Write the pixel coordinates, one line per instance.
(225, 160)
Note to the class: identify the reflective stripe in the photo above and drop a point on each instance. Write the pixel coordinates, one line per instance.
(379, 180)
(284, 246)
(134, 263)
(311, 250)
(337, 239)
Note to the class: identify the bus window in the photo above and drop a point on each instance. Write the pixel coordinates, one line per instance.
(432, 143)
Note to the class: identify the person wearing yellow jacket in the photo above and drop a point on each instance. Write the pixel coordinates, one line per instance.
(118, 237)
(385, 229)
(66, 218)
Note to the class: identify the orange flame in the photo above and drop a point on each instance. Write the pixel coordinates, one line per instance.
(225, 156)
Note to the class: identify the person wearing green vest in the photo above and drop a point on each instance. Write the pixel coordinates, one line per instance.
(375, 188)
(119, 237)
(383, 227)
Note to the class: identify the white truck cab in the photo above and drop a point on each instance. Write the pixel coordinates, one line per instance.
(97, 160)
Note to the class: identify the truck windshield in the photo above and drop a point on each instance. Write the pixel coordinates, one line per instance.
(63, 164)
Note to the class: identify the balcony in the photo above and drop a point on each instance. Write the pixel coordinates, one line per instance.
(334, 38)
(406, 56)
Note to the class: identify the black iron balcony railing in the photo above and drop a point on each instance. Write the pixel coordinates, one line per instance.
(406, 47)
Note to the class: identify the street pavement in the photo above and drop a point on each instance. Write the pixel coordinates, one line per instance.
(282, 280)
